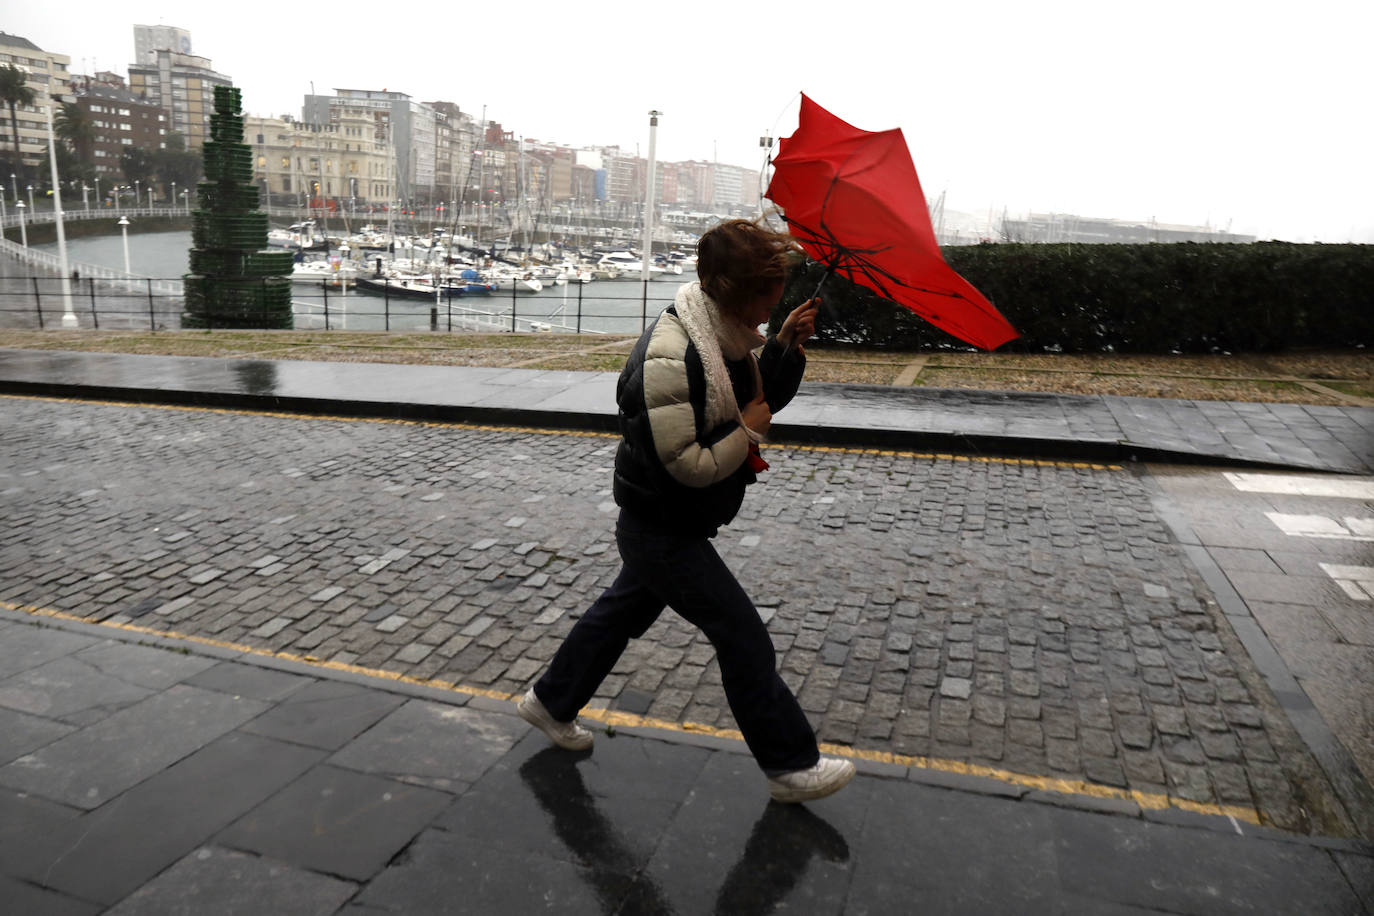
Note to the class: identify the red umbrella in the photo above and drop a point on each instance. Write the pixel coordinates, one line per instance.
(852, 199)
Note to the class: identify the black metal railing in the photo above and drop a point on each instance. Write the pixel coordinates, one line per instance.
(600, 307)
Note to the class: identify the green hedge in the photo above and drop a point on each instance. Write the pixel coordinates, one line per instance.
(1162, 298)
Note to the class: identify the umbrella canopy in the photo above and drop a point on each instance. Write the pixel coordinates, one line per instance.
(852, 199)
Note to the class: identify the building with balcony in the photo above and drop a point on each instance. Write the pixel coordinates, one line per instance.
(49, 77)
(421, 137)
(296, 162)
(181, 84)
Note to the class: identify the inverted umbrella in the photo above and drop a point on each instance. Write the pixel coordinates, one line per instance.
(852, 199)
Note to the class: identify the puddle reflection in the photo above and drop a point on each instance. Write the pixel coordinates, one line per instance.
(256, 376)
(557, 785)
(780, 847)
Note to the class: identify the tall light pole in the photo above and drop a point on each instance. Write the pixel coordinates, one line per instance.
(99, 201)
(185, 200)
(117, 189)
(14, 183)
(138, 193)
(23, 230)
(150, 197)
(68, 316)
(649, 202)
(85, 203)
(124, 230)
(173, 203)
(31, 209)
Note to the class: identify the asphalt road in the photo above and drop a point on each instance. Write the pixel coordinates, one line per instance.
(1022, 619)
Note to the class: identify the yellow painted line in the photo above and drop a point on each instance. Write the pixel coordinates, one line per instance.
(545, 431)
(617, 719)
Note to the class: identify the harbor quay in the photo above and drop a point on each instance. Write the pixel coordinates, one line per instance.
(327, 618)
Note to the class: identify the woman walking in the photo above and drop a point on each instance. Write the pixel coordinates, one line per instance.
(694, 403)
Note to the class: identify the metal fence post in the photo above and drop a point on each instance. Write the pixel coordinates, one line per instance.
(152, 319)
(386, 303)
(512, 305)
(644, 307)
(38, 303)
(580, 284)
(95, 316)
(325, 287)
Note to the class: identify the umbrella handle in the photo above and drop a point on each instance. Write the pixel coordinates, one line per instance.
(787, 348)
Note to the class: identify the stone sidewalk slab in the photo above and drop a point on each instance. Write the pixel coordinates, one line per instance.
(642, 823)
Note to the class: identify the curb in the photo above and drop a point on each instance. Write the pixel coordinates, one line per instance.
(1100, 451)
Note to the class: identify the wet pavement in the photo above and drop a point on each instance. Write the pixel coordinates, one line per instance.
(175, 777)
(1093, 428)
(1031, 659)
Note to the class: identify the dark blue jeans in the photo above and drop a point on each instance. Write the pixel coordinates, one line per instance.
(686, 574)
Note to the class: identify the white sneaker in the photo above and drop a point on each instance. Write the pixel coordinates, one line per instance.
(568, 735)
(829, 775)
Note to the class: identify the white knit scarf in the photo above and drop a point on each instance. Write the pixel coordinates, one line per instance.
(717, 337)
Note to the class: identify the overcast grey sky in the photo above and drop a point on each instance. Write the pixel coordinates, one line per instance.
(1251, 114)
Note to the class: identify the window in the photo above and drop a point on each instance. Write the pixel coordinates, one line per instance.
(261, 139)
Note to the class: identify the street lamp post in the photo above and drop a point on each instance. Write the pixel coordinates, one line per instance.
(138, 193)
(23, 230)
(31, 209)
(85, 203)
(173, 201)
(185, 200)
(150, 197)
(14, 183)
(99, 201)
(124, 231)
(68, 316)
(117, 189)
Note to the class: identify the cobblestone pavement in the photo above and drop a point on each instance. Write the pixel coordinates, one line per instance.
(1030, 617)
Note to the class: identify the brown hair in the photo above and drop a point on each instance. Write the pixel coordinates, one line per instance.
(739, 259)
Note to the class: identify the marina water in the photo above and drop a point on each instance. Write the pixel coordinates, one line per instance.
(599, 307)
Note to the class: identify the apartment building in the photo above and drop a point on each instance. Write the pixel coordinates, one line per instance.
(413, 128)
(49, 76)
(344, 160)
(171, 77)
(120, 121)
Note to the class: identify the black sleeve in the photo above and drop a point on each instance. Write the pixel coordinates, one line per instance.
(782, 373)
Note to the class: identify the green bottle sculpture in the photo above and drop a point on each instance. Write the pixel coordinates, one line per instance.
(233, 282)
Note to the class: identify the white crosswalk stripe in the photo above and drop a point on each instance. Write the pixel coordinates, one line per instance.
(1303, 485)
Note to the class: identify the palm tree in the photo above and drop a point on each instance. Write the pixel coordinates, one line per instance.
(15, 91)
(74, 126)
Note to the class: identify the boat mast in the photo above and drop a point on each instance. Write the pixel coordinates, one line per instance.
(391, 186)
